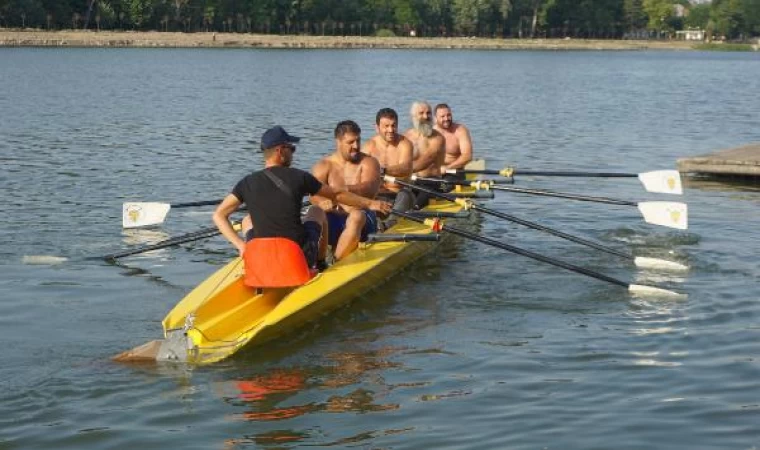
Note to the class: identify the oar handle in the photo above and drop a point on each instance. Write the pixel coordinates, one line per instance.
(519, 251)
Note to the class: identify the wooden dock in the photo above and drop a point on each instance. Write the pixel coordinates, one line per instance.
(734, 162)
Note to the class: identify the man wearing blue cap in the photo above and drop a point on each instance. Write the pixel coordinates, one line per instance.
(273, 197)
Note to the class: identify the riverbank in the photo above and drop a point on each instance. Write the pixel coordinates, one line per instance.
(36, 38)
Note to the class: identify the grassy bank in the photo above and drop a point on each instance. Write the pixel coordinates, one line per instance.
(36, 38)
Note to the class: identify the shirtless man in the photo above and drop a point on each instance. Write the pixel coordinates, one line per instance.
(429, 147)
(457, 136)
(349, 169)
(394, 153)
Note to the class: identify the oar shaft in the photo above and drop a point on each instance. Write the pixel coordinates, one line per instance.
(193, 204)
(549, 173)
(552, 231)
(526, 223)
(545, 193)
(546, 173)
(522, 252)
(540, 192)
(194, 236)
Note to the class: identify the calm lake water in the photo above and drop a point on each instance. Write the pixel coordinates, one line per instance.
(471, 347)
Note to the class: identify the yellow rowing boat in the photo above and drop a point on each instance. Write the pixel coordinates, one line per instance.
(222, 315)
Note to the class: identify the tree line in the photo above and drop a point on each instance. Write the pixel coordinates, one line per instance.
(594, 19)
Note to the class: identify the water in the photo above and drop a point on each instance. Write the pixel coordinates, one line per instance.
(470, 348)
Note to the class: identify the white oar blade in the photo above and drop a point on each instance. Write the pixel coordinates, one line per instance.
(659, 264)
(650, 291)
(667, 214)
(142, 214)
(662, 181)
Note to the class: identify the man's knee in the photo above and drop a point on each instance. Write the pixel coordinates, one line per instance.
(315, 214)
(356, 219)
(404, 201)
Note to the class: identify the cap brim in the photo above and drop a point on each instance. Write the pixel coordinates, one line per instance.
(294, 139)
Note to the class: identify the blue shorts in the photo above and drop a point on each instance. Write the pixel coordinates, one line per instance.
(336, 223)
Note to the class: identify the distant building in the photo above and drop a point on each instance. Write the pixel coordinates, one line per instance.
(690, 35)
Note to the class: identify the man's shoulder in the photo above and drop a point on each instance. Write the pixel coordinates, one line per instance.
(285, 169)
(287, 172)
(325, 162)
(369, 161)
(460, 128)
(370, 145)
(322, 167)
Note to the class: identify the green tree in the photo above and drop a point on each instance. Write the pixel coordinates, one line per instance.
(658, 12)
(465, 16)
(633, 15)
(727, 16)
(751, 13)
(698, 16)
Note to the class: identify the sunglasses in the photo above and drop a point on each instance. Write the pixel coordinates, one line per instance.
(290, 147)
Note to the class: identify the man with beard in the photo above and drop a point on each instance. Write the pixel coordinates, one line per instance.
(273, 228)
(349, 169)
(457, 136)
(429, 147)
(394, 153)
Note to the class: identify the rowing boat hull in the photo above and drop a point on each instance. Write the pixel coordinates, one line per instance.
(221, 315)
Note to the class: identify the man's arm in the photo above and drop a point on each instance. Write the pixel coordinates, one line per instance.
(320, 171)
(404, 167)
(465, 148)
(221, 218)
(369, 182)
(431, 155)
(351, 199)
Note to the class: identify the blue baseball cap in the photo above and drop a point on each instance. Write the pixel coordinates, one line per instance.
(276, 136)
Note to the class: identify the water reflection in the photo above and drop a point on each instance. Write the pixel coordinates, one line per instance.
(143, 236)
(724, 184)
(284, 393)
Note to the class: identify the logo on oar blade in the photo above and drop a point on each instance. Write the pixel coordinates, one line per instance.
(133, 213)
(675, 216)
(671, 183)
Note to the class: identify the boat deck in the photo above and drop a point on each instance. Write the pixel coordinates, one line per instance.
(741, 162)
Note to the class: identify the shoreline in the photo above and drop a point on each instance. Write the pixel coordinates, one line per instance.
(155, 39)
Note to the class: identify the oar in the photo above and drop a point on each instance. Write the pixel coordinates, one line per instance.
(660, 181)
(667, 214)
(632, 288)
(177, 240)
(143, 214)
(642, 262)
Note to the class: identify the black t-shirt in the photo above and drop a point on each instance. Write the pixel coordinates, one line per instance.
(275, 213)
